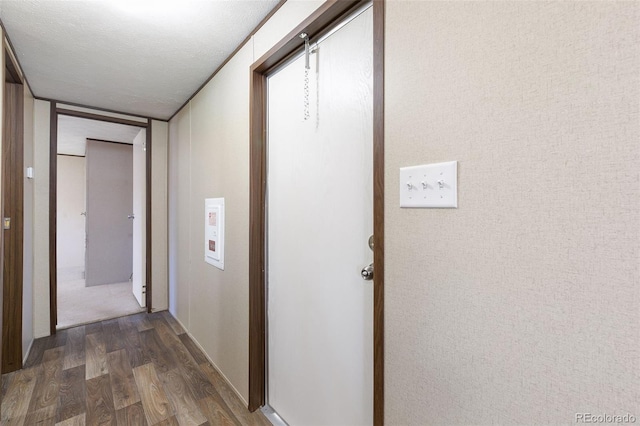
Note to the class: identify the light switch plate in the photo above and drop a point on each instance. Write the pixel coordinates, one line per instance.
(429, 185)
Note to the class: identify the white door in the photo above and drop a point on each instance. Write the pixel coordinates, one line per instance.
(138, 277)
(320, 217)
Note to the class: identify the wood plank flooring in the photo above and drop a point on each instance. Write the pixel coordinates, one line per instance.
(140, 369)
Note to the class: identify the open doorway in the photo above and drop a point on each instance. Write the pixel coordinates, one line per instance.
(101, 220)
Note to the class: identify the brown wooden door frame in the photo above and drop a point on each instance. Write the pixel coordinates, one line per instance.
(316, 25)
(12, 260)
(53, 201)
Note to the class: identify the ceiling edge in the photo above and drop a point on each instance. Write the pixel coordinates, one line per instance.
(12, 52)
(99, 109)
(237, 49)
(166, 120)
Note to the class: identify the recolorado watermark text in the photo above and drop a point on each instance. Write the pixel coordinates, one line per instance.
(605, 418)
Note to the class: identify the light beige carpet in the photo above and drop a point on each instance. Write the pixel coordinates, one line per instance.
(78, 304)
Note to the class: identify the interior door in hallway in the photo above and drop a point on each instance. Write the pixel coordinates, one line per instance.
(109, 207)
(320, 217)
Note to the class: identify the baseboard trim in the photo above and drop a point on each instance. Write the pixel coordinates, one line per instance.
(26, 354)
(272, 416)
(206, 355)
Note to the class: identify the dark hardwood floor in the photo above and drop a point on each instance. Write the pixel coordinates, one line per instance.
(140, 369)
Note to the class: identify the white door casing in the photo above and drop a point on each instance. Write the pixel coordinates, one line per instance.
(319, 218)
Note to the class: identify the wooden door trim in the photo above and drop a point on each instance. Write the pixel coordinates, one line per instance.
(66, 104)
(99, 117)
(53, 201)
(13, 258)
(105, 141)
(147, 283)
(314, 26)
(378, 211)
(11, 69)
(53, 218)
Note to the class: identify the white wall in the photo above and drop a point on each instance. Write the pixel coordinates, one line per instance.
(70, 223)
(28, 238)
(159, 215)
(210, 145)
(521, 306)
(41, 311)
(179, 223)
(140, 216)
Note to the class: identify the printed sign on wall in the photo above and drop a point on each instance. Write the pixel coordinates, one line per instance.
(214, 232)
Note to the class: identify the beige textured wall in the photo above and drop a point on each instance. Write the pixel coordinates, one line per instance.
(521, 306)
(212, 161)
(219, 158)
(209, 142)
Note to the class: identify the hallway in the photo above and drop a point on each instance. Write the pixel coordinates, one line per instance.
(79, 304)
(141, 369)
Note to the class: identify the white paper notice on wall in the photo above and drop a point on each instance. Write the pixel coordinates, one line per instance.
(214, 232)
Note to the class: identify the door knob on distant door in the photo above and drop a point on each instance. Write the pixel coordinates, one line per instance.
(130, 216)
(367, 272)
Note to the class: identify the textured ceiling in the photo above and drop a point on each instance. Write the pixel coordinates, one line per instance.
(144, 57)
(73, 133)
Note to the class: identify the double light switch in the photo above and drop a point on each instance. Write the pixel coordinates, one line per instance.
(429, 185)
